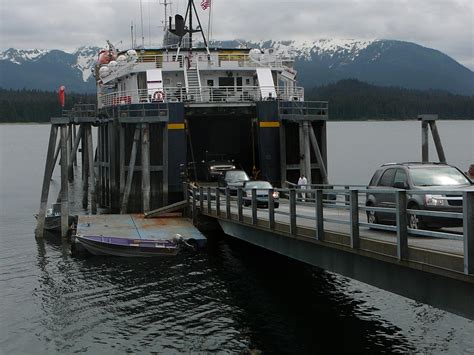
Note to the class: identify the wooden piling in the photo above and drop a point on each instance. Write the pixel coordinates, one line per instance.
(122, 159)
(74, 133)
(90, 159)
(72, 156)
(283, 167)
(319, 157)
(48, 173)
(437, 141)
(64, 183)
(131, 168)
(301, 142)
(165, 165)
(424, 142)
(85, 169)
(307, 152)
(145, 167)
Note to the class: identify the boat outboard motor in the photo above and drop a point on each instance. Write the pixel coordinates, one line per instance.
(178, 239)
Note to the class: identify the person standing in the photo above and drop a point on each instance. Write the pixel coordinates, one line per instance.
(302, 182)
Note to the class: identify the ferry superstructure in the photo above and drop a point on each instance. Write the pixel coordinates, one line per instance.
(163, 108)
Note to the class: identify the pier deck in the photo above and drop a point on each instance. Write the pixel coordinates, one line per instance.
(137, 227)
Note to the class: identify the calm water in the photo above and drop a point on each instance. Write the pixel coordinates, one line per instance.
(234, 298)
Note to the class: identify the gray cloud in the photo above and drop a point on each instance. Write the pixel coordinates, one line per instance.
(67, 24)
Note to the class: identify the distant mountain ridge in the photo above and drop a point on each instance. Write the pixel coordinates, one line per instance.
(318, 62)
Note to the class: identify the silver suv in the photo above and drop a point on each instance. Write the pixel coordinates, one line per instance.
(418, 176)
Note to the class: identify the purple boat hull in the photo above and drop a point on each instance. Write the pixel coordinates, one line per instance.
(115, 246)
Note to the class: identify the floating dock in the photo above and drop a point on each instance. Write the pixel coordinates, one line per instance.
(136, 226)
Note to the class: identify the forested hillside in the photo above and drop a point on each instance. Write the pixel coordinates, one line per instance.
(352, 99)
(36, 106)
(348, 100)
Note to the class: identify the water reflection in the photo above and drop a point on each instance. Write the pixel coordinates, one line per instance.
(234, 298)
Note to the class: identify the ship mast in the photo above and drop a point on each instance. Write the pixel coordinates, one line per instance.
(189, 11)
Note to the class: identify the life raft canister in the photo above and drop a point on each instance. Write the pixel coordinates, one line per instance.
(159, 96)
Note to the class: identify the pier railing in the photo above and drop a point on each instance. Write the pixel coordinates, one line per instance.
(204, 94)
(344, 210)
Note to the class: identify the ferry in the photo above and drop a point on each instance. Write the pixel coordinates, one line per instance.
(162, 109)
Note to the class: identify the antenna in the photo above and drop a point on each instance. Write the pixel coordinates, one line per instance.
(141, 21)
(165, 3)
(131, 32)
(149, 26)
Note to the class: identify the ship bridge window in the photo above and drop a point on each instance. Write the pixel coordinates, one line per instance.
(226, 81)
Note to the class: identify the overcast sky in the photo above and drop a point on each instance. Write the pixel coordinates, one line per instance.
(446, 25)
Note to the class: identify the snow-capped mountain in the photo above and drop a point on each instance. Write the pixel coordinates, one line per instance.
(86, 58)
(318, 62)
(20, 56)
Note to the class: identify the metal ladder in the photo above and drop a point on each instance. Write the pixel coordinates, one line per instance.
(193, 84)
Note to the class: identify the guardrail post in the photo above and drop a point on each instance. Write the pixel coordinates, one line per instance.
(227, 202)
(239, 205)
(293, 211)
(468, 227)
(218, 202)
(402, 229)
(201, 198)
(209, 200)
(254, 207)
(354, 205)
(318, 202)
(271, 209)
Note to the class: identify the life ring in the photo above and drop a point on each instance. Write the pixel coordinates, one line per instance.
(159, 96)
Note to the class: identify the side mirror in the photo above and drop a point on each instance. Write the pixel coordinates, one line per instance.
(400, 185)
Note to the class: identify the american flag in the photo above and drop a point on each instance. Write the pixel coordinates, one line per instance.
(205, 4)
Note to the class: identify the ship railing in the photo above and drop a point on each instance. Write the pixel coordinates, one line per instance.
(204, 94)
(235, 61)
(215, 60)
(303, 109)
(161, 60)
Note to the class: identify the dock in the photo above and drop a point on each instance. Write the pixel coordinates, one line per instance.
(136, 226)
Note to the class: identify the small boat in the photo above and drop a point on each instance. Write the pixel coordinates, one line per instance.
(52, 221)
(118, 246)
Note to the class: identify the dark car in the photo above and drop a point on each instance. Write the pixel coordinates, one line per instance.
(418, 177)
(233, 179)
(262, 188)
(216, 168)
(216, 164)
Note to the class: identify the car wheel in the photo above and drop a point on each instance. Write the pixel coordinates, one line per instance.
(276, 205)
(246, 203)
(415, 221)
(372, 216)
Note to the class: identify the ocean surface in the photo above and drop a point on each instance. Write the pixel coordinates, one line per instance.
(231, 298)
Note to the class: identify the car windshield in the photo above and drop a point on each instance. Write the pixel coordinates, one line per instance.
(437, 176)
(236, 176)
(258, 185)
